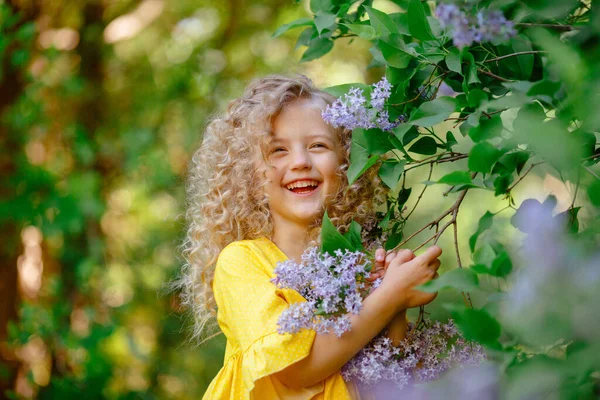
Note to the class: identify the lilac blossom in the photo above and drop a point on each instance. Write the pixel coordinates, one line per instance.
(333, 286)
(352, 111)
(486, 26)
(421, 357)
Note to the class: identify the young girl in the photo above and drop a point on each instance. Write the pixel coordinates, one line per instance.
(258, 188)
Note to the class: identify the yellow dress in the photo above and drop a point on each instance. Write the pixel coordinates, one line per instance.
(249, 305)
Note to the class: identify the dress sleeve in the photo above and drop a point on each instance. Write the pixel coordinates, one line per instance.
(249, 307)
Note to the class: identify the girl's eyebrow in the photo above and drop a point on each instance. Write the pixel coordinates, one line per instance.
(316, 136)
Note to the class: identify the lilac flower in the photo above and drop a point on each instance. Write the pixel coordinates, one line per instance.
(422, 357)
(352, 111)
(486, 26)
(333, 285)
(382, 91)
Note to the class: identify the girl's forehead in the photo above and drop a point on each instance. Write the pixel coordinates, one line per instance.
(301, 119)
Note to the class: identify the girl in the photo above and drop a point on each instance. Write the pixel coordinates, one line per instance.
(258, 189)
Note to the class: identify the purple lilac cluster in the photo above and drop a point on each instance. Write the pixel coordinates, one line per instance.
(421, 357)
(352, 111)
(486, 26)
(333, 286)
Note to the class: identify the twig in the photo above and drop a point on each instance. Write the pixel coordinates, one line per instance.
(590, 171)
(436, 223)
(522, 176)
(520, 53)
(489, 115)
(439, 161)
(576, 188)
(422, 191)
(557, 27)
(488, 73)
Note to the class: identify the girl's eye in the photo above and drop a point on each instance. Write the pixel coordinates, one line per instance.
(277, 149)
(319, 145)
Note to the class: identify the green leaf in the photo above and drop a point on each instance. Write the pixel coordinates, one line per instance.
(453, 60)
(393, 240)
(363, 31)
(403, 196)
(462, 279)
(353, 235)
(393, 56)
(524, 61)
(483, 156)
(360, 158)
(477, 325)
(511, 162)
(306, 36)
(332, 240)
(450, 141)
(317, 48)
(400, 21)
(356, 169)
(320, 5)
(488, 128)
(593, 192)
(502, 265)
(381, 22)
(341, 90)
(426, 145)
(433, 112)
(484, 255)
(456, 178)
(417, 21)
(377, 141)
(390, 172)
(472, 72)
(324, 20)
(294, 24)
(485, 223)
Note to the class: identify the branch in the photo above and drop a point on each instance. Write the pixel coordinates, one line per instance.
(436, 222)
(520, 53)
(556, 27)
(459, 156)
(421, 194)
(488, 73)
(522, 177)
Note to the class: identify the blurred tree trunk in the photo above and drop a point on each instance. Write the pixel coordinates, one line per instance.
(11, 87)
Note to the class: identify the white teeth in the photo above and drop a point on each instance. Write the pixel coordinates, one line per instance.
(300, 184)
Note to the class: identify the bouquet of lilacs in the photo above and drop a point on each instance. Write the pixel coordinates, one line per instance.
(427, 351)
(333, 286)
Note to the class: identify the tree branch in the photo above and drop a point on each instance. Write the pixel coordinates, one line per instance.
(520, 53)
(488, 73)
(556, 27)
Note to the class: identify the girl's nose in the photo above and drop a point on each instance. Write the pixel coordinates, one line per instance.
(300, 160)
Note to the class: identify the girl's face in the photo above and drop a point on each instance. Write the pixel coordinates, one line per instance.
(304, 157)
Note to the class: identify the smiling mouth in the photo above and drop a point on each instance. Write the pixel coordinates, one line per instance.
(305, 189)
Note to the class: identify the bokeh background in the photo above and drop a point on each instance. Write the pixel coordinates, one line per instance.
(102, 104)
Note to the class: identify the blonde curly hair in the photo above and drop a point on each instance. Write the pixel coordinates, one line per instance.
(226, 200)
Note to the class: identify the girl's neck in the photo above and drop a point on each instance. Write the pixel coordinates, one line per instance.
(291, 239)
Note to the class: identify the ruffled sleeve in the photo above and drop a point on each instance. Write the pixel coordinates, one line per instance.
(249, 306)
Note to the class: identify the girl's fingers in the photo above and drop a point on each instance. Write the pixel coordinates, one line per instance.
(435, 265)
(380, 255)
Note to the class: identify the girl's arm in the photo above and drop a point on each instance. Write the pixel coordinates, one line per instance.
(397, 328)
(395, 294)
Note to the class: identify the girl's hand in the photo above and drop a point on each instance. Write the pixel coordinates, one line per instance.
(383, 260)
(404, 274)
